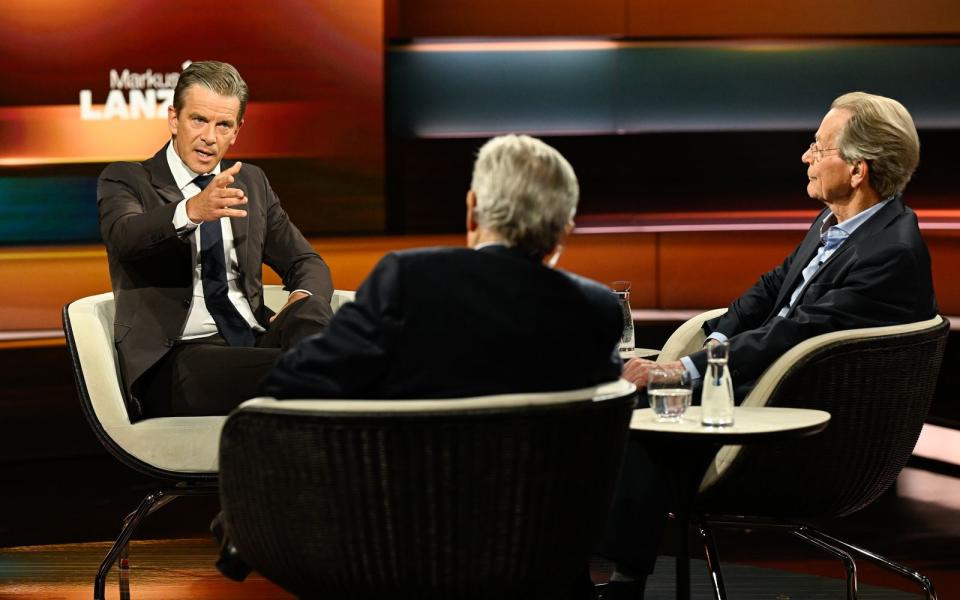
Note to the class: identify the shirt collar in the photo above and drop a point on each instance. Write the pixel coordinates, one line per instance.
(181, 173)
(488, 245)
(830, 228)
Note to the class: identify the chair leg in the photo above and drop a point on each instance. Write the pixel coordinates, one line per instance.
(713, 560)
(803, 532)
(150, 503)
(920, 579)
(682, 565)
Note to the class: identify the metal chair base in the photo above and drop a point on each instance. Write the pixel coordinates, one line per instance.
(837, 547)
(120, 549)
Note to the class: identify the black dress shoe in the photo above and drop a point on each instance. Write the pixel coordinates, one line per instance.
(229, 564)
(622, 590)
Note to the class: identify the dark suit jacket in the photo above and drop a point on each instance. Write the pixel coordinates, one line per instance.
(879, 276)
(456, 322)
(151, 268)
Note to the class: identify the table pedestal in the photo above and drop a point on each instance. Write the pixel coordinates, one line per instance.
(685, 450)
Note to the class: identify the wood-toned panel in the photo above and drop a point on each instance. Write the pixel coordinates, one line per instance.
(47, 279)
(668, 270)
(945, 257)
(710, 269)
(38, 282)
(696, 18)
(612, 257)
(442, 18)
(351, 259)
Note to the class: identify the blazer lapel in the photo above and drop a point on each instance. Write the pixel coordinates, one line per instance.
(808, 247)
(161, 178)
(873, 225)
(239, 225)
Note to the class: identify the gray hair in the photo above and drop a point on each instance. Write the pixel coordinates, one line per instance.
(220, 77)
(881, 132)
(526, 192)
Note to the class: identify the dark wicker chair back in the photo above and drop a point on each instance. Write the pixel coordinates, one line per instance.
(491, 502)
(878, 390)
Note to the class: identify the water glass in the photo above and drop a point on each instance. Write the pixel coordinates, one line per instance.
(669, 393)
(622, 290)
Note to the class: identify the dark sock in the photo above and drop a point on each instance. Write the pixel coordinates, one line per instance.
(621, 589)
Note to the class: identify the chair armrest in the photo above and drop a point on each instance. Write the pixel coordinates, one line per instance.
(688, 338)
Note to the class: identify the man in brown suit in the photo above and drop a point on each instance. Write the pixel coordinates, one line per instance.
(187, 233)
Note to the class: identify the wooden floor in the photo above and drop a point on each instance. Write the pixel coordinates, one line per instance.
(183, 568)
(918, 524)
(63, 497)
(160, 570)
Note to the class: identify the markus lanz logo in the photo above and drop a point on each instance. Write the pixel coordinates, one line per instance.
(132, 96)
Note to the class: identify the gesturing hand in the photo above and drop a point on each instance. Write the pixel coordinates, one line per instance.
(218, 200)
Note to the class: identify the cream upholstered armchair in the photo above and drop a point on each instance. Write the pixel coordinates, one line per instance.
(877, 383)
(181, 452)
(688, 338)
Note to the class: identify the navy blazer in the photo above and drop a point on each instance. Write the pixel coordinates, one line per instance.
(879, 276)
(456, 322)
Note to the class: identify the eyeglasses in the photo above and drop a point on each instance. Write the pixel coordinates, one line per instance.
(819, 152)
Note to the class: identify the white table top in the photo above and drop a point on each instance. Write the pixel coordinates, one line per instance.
(639, 353)
(749, 423)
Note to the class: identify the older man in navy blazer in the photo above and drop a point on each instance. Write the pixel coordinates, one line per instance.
(863, 263)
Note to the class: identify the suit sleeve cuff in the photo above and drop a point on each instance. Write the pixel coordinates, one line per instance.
(716, 335)
(691, 369)
(181, 222)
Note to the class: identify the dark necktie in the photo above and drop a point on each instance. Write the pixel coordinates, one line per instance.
(213, 272)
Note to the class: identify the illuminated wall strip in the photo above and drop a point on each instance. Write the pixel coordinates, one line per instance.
(702, 227)
(939, 443)
(460, 44)
(586, 87)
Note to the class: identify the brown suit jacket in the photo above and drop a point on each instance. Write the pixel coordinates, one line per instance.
(151, 267)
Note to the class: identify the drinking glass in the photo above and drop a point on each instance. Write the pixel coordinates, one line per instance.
(669, 393)
(622, 290)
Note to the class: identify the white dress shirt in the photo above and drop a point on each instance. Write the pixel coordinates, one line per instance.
(199, 321)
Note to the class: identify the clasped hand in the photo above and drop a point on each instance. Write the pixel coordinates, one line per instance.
(637, 370)
(217, 200)
(294, 297)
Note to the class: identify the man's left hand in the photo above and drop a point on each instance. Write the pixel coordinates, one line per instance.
(294, 297)
(637, 370)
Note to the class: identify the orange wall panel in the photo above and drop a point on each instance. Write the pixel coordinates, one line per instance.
(701, 18)
(710, 269)
(945, 256)
(351, 259)
(614, 257)
(39, 282)
(667, 270)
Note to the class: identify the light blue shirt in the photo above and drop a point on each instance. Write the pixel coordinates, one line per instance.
(832, 236)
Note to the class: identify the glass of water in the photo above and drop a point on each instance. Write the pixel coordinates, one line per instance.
(669, 392)
(622, 290)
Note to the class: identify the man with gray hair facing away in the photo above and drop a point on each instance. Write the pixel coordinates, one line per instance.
(488, 319)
